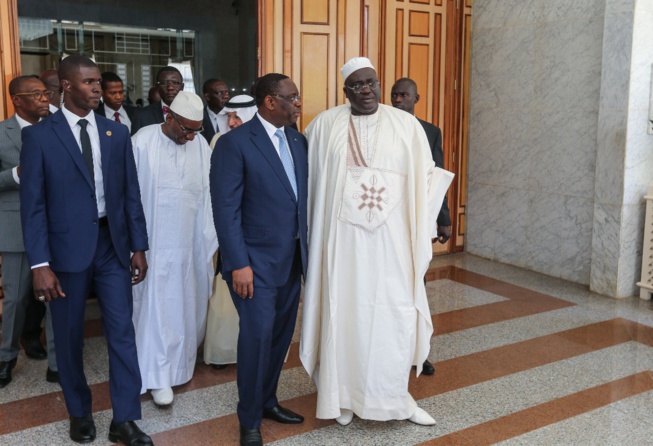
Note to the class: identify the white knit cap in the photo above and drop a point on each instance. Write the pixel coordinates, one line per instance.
(188, 105)
(355, 64)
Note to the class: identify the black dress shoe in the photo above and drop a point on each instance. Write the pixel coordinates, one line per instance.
(428, 368)
(281, 415)
(5, 371)
(82, 430)
(250, 437)
(51, 376)
(219, 366)
(129, 434)
(34, 349)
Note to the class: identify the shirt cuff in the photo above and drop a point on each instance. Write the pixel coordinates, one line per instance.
(40, 265)
(14, 172)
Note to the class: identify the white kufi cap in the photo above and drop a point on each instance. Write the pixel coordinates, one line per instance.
(188, 105)
(355, 64)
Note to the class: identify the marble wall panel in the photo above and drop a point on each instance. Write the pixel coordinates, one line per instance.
(576, 238)
(631, 245)
(544, 226)
(554, 10)
(605, 248)
(564, 161)
(638, 171)
(481, 224)
(612, 6)
(610, 157)
(503, 67)
(502, 13)
(615, 73)
(504, 142)
(511, 219)
(585, 54)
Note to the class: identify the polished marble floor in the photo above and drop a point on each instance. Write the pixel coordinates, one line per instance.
(521, 359)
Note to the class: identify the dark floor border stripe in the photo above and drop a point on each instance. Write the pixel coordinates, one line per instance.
(542, 415)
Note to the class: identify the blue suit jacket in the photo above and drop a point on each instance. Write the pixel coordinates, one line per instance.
(58, 206)
(256, 215)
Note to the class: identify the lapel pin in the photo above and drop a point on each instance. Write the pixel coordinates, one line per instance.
(108, 132)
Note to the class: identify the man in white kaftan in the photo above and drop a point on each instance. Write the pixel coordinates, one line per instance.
(170, 305)
(372, 207)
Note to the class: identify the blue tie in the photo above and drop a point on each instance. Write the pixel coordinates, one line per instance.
(284, 153)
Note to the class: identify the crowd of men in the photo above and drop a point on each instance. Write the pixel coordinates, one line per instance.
(97, 196)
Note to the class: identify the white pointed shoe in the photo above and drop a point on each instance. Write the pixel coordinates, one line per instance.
(163, 397)
(421, 417)
(345, 417)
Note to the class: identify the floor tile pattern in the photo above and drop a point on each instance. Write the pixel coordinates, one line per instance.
(521, 359)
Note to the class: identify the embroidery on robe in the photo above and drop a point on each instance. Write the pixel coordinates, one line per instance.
(370, 201)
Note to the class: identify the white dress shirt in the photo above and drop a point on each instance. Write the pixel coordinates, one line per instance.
(122, 113)
(270, 129)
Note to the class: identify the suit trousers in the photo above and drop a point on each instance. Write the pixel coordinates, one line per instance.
(17, 288)
(112, 284)
(267, 322)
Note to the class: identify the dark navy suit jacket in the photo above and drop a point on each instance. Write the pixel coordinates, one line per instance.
(58, 205)
(152, 114)
(256, 214)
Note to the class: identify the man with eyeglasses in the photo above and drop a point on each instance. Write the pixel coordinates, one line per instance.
(258, 189)
(113, 105)
(50, 79)
(170, 306)
(30, 99)
(216, 94)
(169, 82)
(373, 204)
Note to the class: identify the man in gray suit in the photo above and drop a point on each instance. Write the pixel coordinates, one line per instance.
(30, 99)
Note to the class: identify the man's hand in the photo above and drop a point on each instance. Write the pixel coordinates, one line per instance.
(46, 284)
(444, 234)
(243, 282)
(139, 267)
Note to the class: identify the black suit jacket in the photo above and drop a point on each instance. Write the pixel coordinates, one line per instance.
(208, 132)
(130, 109)
(434, 135)
(152, 114)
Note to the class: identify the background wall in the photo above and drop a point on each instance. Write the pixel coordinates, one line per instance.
(552, 140)
(226, 29)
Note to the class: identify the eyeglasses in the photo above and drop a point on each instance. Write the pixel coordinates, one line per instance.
(184, 130)
(291, 99)
(169, 83)
(358, 87)
(37, 94)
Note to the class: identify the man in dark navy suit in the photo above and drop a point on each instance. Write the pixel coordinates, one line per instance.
(169, 83)
(404, 96)
(113, 105)
(81, 214)
(259, 181)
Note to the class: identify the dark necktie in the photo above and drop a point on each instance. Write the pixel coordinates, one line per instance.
(87, 150)
(166, 109)
(116, 117)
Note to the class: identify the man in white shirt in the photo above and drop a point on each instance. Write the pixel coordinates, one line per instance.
(113, 105)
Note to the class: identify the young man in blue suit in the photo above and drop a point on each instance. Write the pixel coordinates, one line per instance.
(81, 214)
(258, 190)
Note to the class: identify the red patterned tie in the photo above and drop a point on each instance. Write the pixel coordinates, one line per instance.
(166, 109)
(116, 117)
